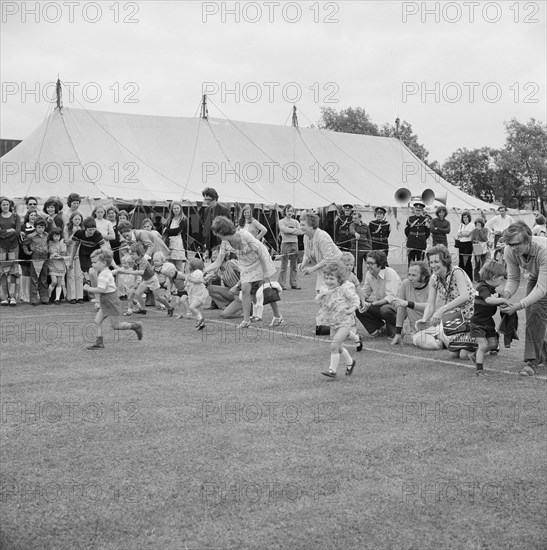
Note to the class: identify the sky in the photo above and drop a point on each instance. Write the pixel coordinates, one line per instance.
(454, 70)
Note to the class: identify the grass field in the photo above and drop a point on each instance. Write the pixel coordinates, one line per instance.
(222, 439)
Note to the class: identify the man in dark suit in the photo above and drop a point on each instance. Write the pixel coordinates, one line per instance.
(212, 209)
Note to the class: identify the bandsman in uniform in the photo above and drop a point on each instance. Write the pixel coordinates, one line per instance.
(344, 236)
(417, 232)
(380, 230)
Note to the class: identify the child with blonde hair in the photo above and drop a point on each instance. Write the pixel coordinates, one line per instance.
(128, 283)
(109, 301)
(338, 302)
(197, 292)
(348, 259)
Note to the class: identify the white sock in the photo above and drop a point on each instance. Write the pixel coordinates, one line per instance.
(353, 336)
(57, 292)
(346, 357)
(334, 360)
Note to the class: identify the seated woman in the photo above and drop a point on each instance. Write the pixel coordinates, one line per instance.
(449, 288)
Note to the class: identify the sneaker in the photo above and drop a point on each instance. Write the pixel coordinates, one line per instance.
(128, 313)
(359, 344)
(137, 327)
(72, 302)
(170, 312)
(276, 321)
(349, 368)
(12, 302)
(296, 287)
(96, 346)
(201, 324)
(255, 319)
(57, 302)
(5, 303)
(495, 351)
(329, 374)
(139, 311)
(80, 301)
(380, 332)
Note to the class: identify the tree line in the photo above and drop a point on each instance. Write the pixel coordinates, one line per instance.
(515, 175)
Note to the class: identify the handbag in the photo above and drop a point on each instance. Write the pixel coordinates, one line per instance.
(271, 294)
(454, 323)
(457, 243)
(480, 248)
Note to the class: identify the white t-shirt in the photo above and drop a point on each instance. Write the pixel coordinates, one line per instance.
(105, 280)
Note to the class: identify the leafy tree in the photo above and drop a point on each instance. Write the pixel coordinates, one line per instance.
(350, 121)
(407, 137)
(526, 158)
(472, 171)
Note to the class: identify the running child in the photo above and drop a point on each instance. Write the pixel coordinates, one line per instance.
(128, 283)
(109, 301)
(175, 281)
(348, 259)
(197, 292)
(57, 266)
(149, 279)
(158, 260)
(338, 303)
(483, 328)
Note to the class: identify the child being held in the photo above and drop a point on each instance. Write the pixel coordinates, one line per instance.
(483, 328)
(338, 303)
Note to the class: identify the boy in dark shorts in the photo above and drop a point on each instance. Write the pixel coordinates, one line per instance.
(483, 328)
(110, 305)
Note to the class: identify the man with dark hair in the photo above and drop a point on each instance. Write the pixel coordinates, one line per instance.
(529, 254)
(212, 209)
(380, 289)
(498, 224)
(149, 240)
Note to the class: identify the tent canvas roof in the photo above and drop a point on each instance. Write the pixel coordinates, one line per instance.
(154, 158)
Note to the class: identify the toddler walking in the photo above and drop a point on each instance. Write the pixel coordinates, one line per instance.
(338, 302)
(197, 292)
(483, 328)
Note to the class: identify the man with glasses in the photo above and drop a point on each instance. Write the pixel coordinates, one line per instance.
(380, 290)
(529, 254)
(498, 224)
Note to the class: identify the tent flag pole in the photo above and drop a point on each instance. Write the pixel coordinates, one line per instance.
(204, 110)
(58, 93)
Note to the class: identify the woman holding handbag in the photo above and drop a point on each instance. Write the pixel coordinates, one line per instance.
(453, 288)
(466, 244)
(479, 237)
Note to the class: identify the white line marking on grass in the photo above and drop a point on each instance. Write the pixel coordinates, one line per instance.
(388, 352)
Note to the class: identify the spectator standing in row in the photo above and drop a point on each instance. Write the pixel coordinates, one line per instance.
(251, 224)
(417, 232)
(53, 214)
(479, 238)
(104, 226)
(379, 231)
(75, 276)
(361, 242)
(73, 202)
(27, 230)
(112, 217)
(172, 235)
(498, 224)
(440, 227)
(343, 228)
(539, 229)
(466, 244)
(290, 231)
(212, 210)
(10, 229)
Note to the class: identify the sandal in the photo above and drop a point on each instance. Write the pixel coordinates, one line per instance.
(254, 318)
(244, 324)
(527, 371)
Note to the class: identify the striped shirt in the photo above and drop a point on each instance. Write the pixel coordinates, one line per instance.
(229, 273)
(144, 265)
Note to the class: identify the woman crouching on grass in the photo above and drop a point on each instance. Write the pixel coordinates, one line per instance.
(338, 302)
(109, 301)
